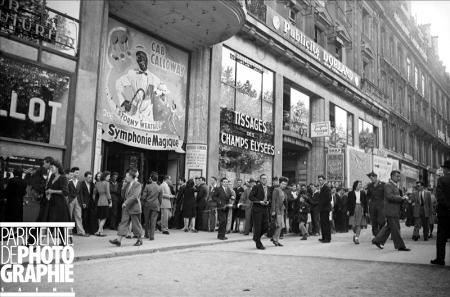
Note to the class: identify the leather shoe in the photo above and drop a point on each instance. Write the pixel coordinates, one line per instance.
(325, 241)
(379, 245)
(260, 246)
(404, 249)
(279, 244)
(222, 238)
(437, 262)
(166, 232)
(138, 242)
(116, 242)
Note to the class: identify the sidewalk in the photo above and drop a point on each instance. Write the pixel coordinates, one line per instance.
(93, 247)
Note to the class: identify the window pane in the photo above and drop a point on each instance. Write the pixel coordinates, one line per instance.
(299, 117)
(69, 7)
(227, 97)
(248, 105)
(341, 126)
(268, 85)
(228, 66)
(267, 111)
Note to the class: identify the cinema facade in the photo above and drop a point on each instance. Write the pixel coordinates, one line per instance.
(189, 88)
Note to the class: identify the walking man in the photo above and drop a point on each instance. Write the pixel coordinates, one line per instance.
(392, 202)
(421, 211)
(375, 195)
(131, 209)
(260, 210)
(324, 209)
(219, 195)
(166, 205)
(443, 213)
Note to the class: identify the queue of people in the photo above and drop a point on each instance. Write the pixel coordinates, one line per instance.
(319, 209)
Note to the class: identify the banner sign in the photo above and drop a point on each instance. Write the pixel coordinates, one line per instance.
(383, 167)
(143, 102)
(285, 29)
(359, 164)
(335, 167)
(246, 132)
(320, 129)
(409, 177)
(33, 102)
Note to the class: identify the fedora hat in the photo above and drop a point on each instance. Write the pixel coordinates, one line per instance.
(372, 174)
(446, 164)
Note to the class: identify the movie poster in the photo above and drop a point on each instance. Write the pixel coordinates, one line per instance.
(143, 101)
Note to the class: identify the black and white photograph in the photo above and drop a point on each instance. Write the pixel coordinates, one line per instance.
(224, 148)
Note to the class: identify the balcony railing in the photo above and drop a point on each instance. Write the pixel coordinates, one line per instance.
(372, 90)
(423, 123)
(256, 8)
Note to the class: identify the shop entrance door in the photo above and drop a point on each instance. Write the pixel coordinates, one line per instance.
(120, 158)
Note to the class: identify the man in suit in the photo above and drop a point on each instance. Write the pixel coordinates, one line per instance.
(202, 195)
(151, 199)
(324, 207)
(219, 195)
(75, 201)
(237, 212)
(392, 203)
(166, 204)
(443, 213)
(86, 199)
(131, 209)
(421, 211)
(260, 210)
(375, 194)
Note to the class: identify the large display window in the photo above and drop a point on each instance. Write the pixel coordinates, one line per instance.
(246, 119)
(341, 126)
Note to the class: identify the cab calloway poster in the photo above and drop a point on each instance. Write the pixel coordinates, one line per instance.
(143, 101)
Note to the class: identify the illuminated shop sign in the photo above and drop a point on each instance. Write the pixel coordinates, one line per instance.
(289, 32)
(246, 132)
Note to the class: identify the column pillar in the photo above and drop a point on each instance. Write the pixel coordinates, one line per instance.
(93, 14)
(278, 122)
(316, 156)
(197, 108)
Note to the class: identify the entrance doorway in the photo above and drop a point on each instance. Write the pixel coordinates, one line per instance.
(118, 157)
(295, 164)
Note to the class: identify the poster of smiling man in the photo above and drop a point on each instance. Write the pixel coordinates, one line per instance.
(144, 92)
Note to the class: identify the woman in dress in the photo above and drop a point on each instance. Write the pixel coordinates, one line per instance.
(357, 208)
(189, 207)
(56, 191)
(104, 202)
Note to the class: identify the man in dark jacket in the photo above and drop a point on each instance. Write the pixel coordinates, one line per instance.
(151, 203)
(443, 213)
(375, 195)
(324, 207)
(392, 203)
(221, 198)
(14, 192)
(260, 211)
(202, 196)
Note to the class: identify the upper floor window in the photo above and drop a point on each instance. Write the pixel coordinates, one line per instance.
(368, 135)
(338, 52)
(319, 36)
(341, 126)
(416, 78)
(366, 23)
(408, 68)
(423, 85)
(292, 16)
(391, 48)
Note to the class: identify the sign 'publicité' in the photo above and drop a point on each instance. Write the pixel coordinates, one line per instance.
(246, 132)
(289, 32)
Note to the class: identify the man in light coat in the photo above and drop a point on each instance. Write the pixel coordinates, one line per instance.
(131, 209)
(166, 205)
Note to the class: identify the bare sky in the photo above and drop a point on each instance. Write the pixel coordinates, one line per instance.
(436, 13)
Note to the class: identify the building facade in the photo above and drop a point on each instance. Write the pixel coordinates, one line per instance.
(223, 88)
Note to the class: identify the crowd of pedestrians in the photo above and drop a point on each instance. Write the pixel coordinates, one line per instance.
(139, 210)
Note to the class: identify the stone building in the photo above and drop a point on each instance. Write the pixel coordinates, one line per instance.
(223, 88)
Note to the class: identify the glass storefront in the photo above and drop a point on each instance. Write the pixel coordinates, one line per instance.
(296, 110)
(246, 118)
(341, 126)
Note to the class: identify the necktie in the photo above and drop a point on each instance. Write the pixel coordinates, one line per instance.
(421, 198)
(265, 193)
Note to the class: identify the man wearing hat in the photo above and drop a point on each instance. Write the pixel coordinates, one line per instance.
(375, 194)
(421, 211)
(443, 213)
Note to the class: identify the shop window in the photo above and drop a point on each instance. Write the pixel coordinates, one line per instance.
(296, 111)
(350, 129)
(246, 121)
(340, 132)
(40, 97)
(368, 135)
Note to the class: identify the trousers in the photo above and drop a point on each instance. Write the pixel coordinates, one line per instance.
(392, 227)
(150, 217)
(75, 215)
(260, 215)
(127, 218)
